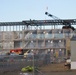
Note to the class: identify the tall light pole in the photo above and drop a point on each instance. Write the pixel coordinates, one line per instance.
(33, 61)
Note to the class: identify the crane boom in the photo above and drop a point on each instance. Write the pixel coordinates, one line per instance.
(67, 24)
(54, 17)
(50, 15)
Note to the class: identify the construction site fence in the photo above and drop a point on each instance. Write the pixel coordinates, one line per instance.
(17, 62)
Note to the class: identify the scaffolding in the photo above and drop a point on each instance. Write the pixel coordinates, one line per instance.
(29, 35)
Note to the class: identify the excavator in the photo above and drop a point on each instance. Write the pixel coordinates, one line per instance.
(67, 25)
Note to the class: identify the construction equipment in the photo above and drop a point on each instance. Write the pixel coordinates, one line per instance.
(54, 17)
(16, 51)
(66, 24)
(19, 51)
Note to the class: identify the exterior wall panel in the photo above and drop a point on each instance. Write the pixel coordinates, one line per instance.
(73, 50)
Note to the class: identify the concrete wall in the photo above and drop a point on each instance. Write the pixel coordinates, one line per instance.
(73, 50)
(73, 54)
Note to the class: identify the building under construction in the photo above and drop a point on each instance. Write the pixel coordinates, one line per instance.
(40, 36)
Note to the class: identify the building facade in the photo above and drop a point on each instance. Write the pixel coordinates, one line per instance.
(42, 40)
(53, 41)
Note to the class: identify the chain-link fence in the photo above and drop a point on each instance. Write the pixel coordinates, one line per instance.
(17, 62)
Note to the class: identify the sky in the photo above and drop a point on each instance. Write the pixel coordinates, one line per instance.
(19, 10)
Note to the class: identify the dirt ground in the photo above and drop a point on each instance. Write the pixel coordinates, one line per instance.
(61, 73)
(53, 69)
(49, 73)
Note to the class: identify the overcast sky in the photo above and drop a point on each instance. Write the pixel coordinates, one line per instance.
(18, 10)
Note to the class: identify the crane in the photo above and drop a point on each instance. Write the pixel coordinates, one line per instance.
(67, 25)
(54, 17)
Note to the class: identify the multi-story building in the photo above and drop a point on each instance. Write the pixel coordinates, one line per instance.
(40, 39)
